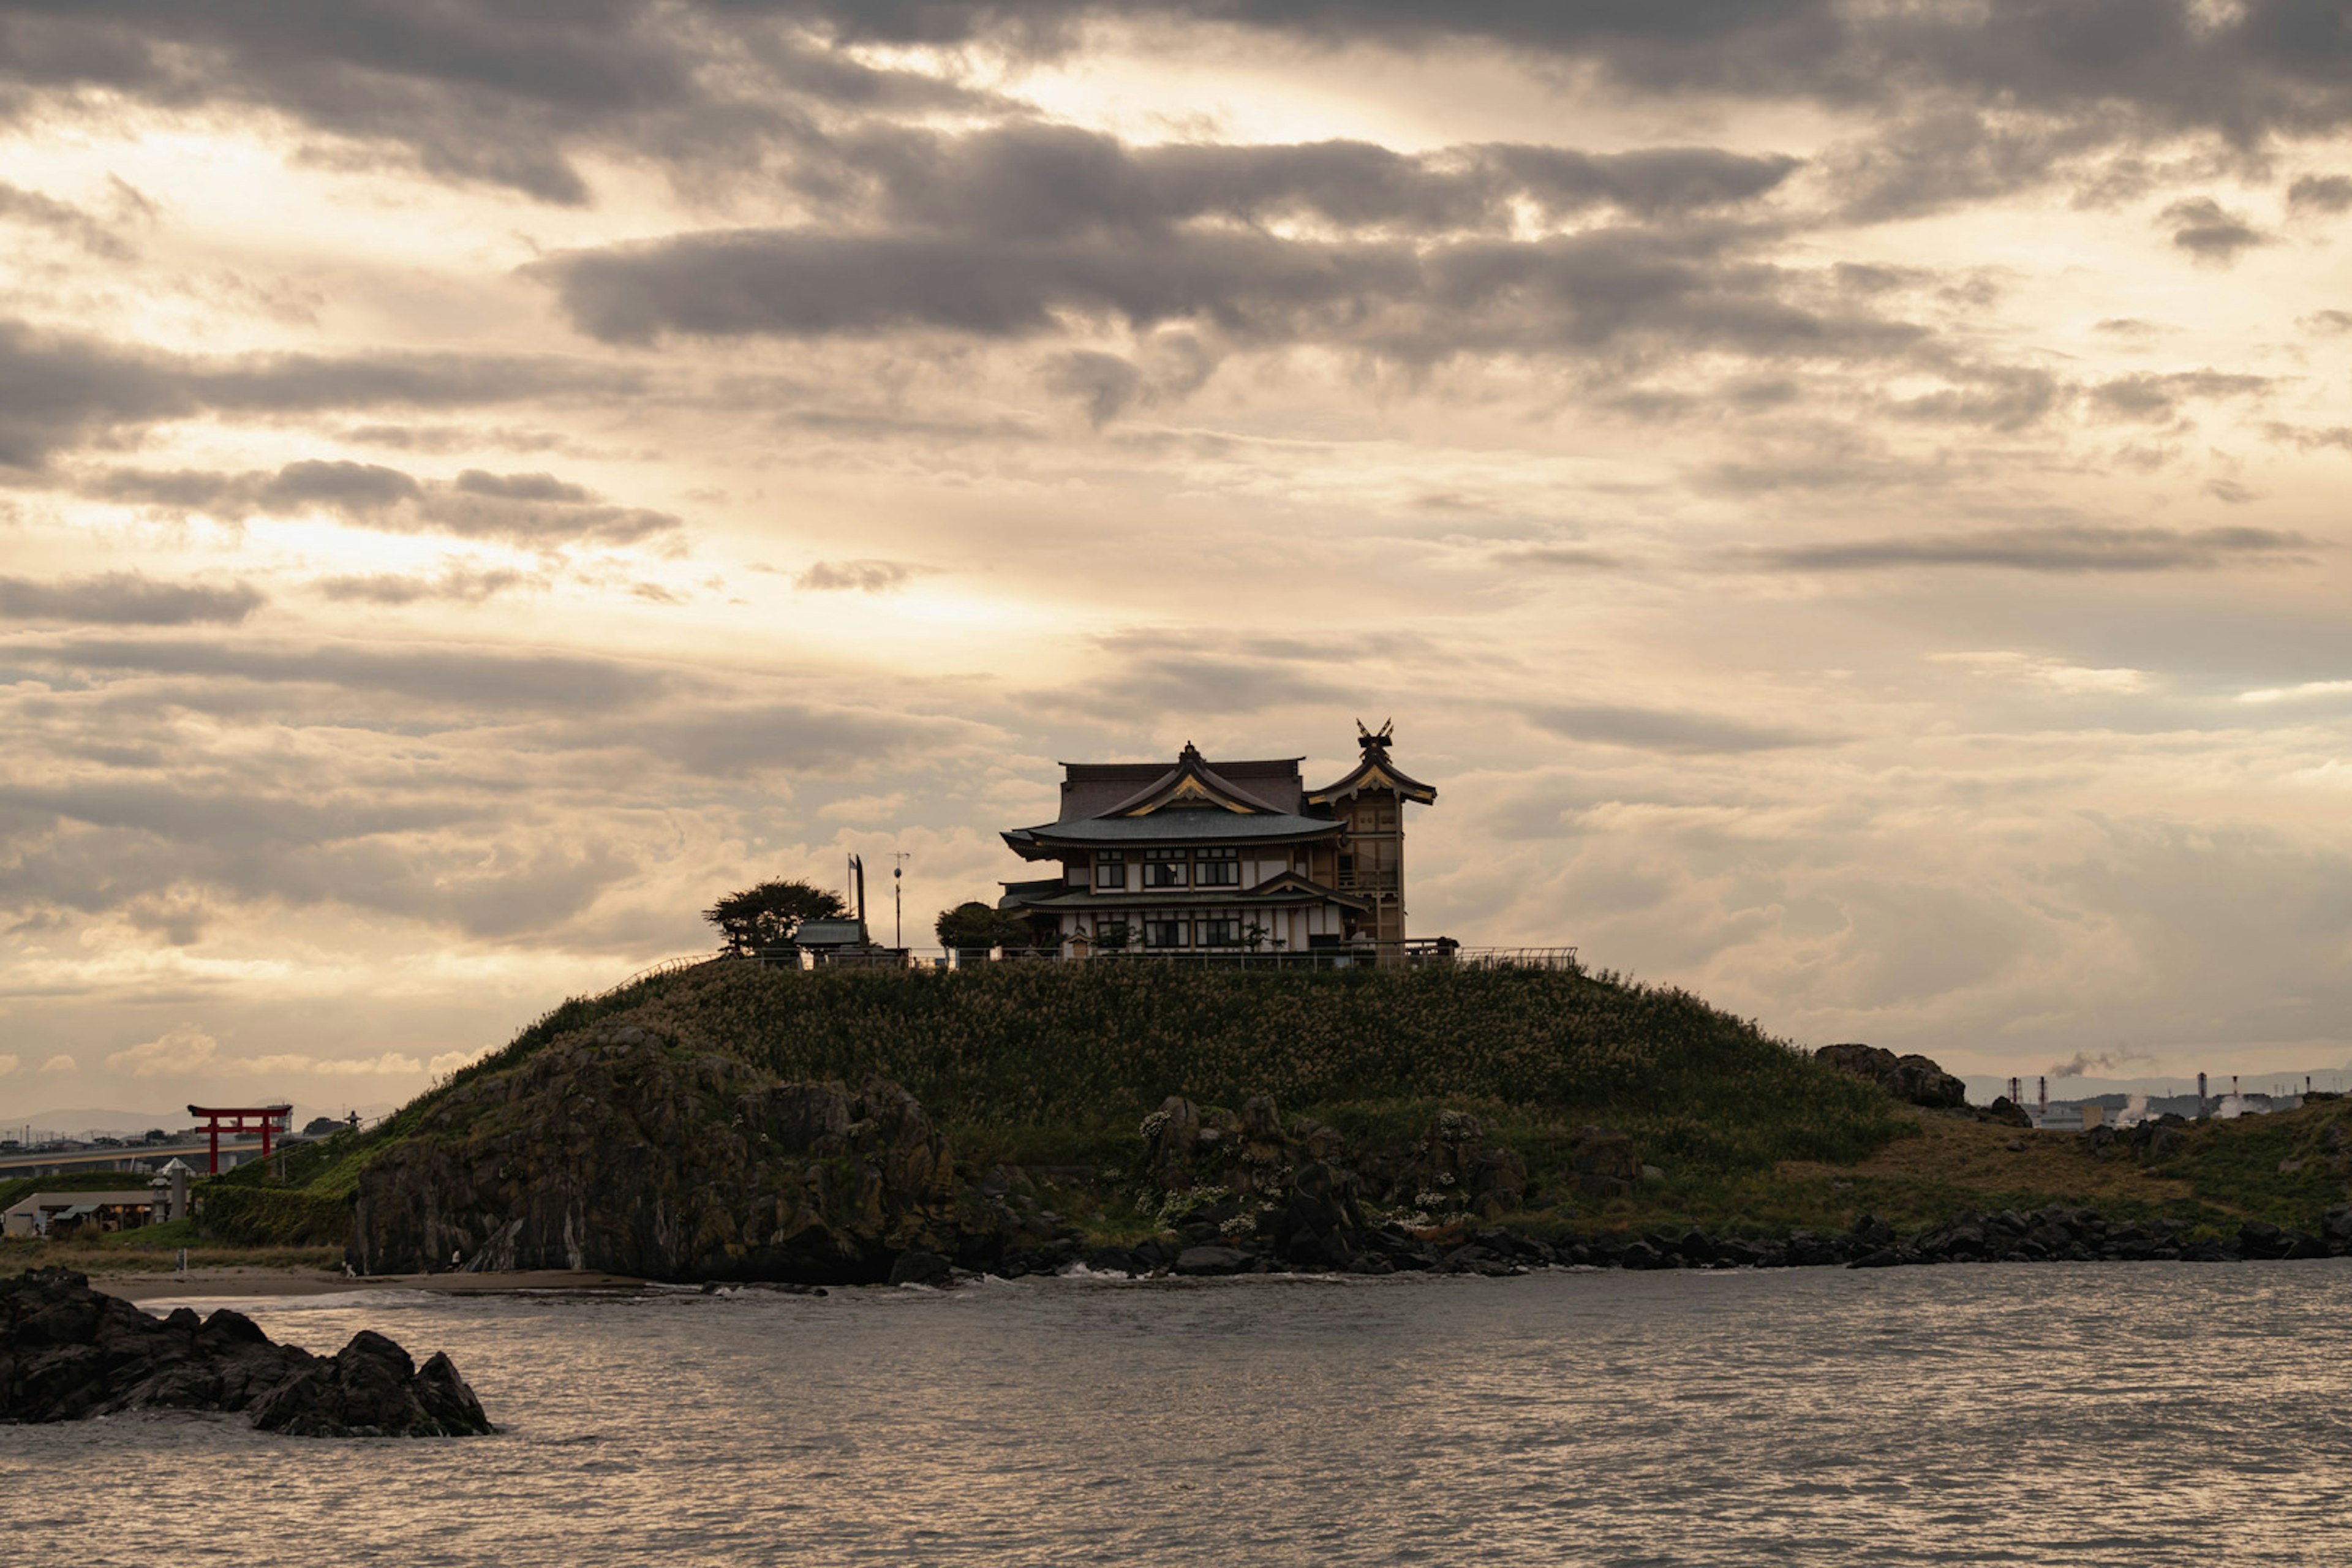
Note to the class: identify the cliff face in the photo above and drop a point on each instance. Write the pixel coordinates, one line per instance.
(611, 1151)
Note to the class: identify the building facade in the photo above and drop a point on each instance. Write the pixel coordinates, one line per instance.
(1216, 856)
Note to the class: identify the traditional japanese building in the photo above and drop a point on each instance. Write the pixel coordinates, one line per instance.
(1205, 857)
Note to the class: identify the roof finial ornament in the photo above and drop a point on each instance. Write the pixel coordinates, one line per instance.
(1379, 742)
(1191, 752)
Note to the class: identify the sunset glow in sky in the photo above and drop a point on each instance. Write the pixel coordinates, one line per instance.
(1843, 499)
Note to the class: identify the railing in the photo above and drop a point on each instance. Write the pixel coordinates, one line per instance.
(1495, 957)
(1428, 954)
(667, 966)
(1425, 954)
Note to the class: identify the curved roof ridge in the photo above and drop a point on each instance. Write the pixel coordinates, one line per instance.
(1191, 765)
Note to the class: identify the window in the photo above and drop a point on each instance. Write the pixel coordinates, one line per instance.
(1220, 868)
(1110, 868)
(1221, 933)
(1163, 933)
(1164, 867)
(1111, 936)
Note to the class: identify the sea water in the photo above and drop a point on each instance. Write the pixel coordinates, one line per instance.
(2051, 1413)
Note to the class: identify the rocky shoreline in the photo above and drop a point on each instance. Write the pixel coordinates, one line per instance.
(68, 1353)
(2054, 1234)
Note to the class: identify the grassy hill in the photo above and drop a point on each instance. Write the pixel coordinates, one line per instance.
(1056, 1066)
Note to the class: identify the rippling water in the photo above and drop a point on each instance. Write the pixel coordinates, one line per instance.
(2052, 1414)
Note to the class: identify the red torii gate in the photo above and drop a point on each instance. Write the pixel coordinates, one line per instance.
(264, 1119)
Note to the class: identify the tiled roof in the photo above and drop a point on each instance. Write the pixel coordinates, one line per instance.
(1175, 827)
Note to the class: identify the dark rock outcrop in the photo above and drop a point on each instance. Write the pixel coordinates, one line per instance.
(611, 1151)
(67, 1352)
(1914, 1079)
(2005, 1111)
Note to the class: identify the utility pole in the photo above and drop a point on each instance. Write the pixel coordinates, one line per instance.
(897, 900)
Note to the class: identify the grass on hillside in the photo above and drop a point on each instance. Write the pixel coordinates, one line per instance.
(1056, 1065)
(1076, 1052)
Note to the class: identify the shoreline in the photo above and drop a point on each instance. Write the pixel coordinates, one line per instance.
(277, 1284)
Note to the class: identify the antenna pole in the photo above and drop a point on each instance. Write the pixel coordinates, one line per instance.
(898, 899)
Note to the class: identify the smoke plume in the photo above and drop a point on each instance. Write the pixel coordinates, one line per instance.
(2106, 1061)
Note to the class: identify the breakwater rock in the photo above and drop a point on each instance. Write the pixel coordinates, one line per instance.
(67, 1352)
(611, 1151)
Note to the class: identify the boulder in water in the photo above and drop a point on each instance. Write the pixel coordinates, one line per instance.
(67, 1352)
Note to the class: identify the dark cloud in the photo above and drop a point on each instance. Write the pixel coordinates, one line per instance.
(458, 585)
(2201, 227)
(58, 390)
(2320, 194)
(126, 599)
(2067, 549)
(535, 510)
(503, 92)
(721, 741)
(1663, 729)
(92, 234)
(1188, 673)
(2157, 64)
(1953, 153)
(1044, 182)
(860, 576)
(171, 852)
(1998, 397)
(1560, 557)
(1690, 286)
(360, 489)
(453, 679)
(1103, 384)
(446, 438)
(511, 91)
(2151, 397)
(2311, 438)
(2328, 321)
(521, 486)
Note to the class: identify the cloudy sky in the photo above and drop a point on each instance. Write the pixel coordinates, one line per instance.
(1843, 498)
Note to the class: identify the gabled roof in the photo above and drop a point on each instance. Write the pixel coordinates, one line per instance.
(1172, 827)
(1193, 783)
(1102, 789)
(1375, 771)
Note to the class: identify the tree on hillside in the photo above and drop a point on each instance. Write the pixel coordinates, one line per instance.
(767, 915)
(975, 924)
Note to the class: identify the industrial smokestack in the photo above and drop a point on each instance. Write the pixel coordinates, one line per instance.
(2200, 1097)
(2045, 1082)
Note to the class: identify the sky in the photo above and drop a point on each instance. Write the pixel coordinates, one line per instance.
(1842, 500)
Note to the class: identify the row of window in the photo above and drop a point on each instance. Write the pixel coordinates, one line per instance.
(1215, 867)
(1173, 933)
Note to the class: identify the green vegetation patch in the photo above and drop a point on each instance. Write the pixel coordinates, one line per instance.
(1088, 1049)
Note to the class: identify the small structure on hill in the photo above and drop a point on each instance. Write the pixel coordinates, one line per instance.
(67, 1214)
(1210, 857)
